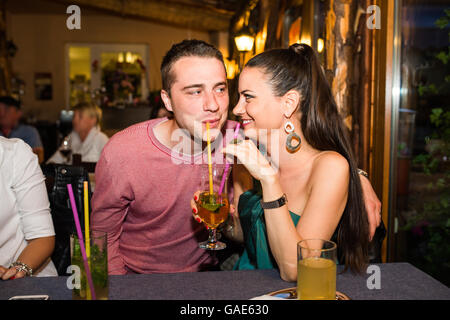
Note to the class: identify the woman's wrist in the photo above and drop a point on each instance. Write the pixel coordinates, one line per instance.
(22, 267)
(269, 179)
(271, 188)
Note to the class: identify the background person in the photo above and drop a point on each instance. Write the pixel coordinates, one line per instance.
(10, 126)
(26, 228)
(86, 138)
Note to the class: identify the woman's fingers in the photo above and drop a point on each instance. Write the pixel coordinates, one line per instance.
(12, 273)
(232, 210)
(194, 208)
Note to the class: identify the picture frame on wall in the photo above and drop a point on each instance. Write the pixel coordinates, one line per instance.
(43, 86)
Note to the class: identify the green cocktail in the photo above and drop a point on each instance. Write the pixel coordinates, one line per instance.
(98, 265)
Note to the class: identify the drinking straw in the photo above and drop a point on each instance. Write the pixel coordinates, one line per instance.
(80, 240)
(209, 160)
(86, 229)
(86, 219)
(227, 165)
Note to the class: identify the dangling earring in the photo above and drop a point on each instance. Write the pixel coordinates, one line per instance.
(289, 128)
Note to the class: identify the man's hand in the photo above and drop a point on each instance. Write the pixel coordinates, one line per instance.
(372, 204)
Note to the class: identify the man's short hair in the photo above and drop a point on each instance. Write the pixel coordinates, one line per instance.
(10, 102)
(89, 108)
(186, 48)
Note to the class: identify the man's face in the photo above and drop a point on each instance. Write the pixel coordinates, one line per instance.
(198, 95)
(9, 116)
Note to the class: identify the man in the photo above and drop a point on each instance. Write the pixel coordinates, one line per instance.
(143, 188)
(86, 138)
(10, 126)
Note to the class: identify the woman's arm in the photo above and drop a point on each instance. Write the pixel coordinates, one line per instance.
(322, 212)
(34, 255)
(33, 208)
(320, 217)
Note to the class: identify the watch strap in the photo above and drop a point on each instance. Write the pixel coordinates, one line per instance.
(274, 204)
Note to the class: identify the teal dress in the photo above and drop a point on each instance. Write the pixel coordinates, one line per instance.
(256, 254)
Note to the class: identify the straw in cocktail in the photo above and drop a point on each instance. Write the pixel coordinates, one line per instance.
(227, 166)
(80, 239)
(213, 209)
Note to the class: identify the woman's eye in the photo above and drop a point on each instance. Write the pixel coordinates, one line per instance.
(248, 97)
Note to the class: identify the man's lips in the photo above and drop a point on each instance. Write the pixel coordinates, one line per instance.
(212, 122)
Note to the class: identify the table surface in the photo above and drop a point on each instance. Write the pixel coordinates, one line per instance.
(398, 281)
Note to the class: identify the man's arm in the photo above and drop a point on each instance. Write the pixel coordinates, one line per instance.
(110, 203)
(372, 204)
(39, 151)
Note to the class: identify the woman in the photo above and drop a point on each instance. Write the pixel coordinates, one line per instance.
(27, 237)
(86, 137)
(285, 96)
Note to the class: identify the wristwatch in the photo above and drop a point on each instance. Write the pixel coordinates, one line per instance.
(363, 173)
(274, 204)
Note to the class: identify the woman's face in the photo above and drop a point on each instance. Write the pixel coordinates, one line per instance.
(258, 107)
(82, 122)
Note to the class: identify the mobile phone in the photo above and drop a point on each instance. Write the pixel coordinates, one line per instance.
(34, 297)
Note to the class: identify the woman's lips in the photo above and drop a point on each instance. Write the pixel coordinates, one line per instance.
(246, 122)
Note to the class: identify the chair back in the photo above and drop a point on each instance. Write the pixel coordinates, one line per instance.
(57, 178)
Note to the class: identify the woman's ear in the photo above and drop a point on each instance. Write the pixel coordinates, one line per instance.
(166, 99)
(291, 101)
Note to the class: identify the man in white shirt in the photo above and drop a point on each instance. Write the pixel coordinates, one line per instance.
(86, 138)
(27, 236)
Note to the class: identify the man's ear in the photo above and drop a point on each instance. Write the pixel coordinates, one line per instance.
(291, 101)
(166, 99)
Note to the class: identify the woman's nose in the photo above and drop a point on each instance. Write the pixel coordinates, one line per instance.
(239, 109)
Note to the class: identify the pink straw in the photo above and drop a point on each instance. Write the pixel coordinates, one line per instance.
(81, 241)
(227, 166)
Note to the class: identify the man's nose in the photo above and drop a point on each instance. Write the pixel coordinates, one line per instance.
(210, 103)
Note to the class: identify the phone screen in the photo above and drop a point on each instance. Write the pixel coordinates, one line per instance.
(35, 297)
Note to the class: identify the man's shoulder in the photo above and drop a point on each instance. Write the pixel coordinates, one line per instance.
(137, 130)
(129, 137)
(25, 129)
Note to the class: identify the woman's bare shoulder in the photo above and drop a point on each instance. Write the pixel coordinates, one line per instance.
(330, 164)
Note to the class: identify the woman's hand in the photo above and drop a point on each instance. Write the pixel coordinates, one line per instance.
(249, 155)
(10, 273)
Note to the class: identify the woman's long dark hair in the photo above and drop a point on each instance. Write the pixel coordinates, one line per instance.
(298, 68)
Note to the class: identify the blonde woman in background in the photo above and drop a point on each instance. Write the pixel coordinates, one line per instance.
(86, 138)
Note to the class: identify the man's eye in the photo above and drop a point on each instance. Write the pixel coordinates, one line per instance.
(221, 90)
(195, 92)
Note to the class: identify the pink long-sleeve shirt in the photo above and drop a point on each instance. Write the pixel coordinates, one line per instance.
(142, 200)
